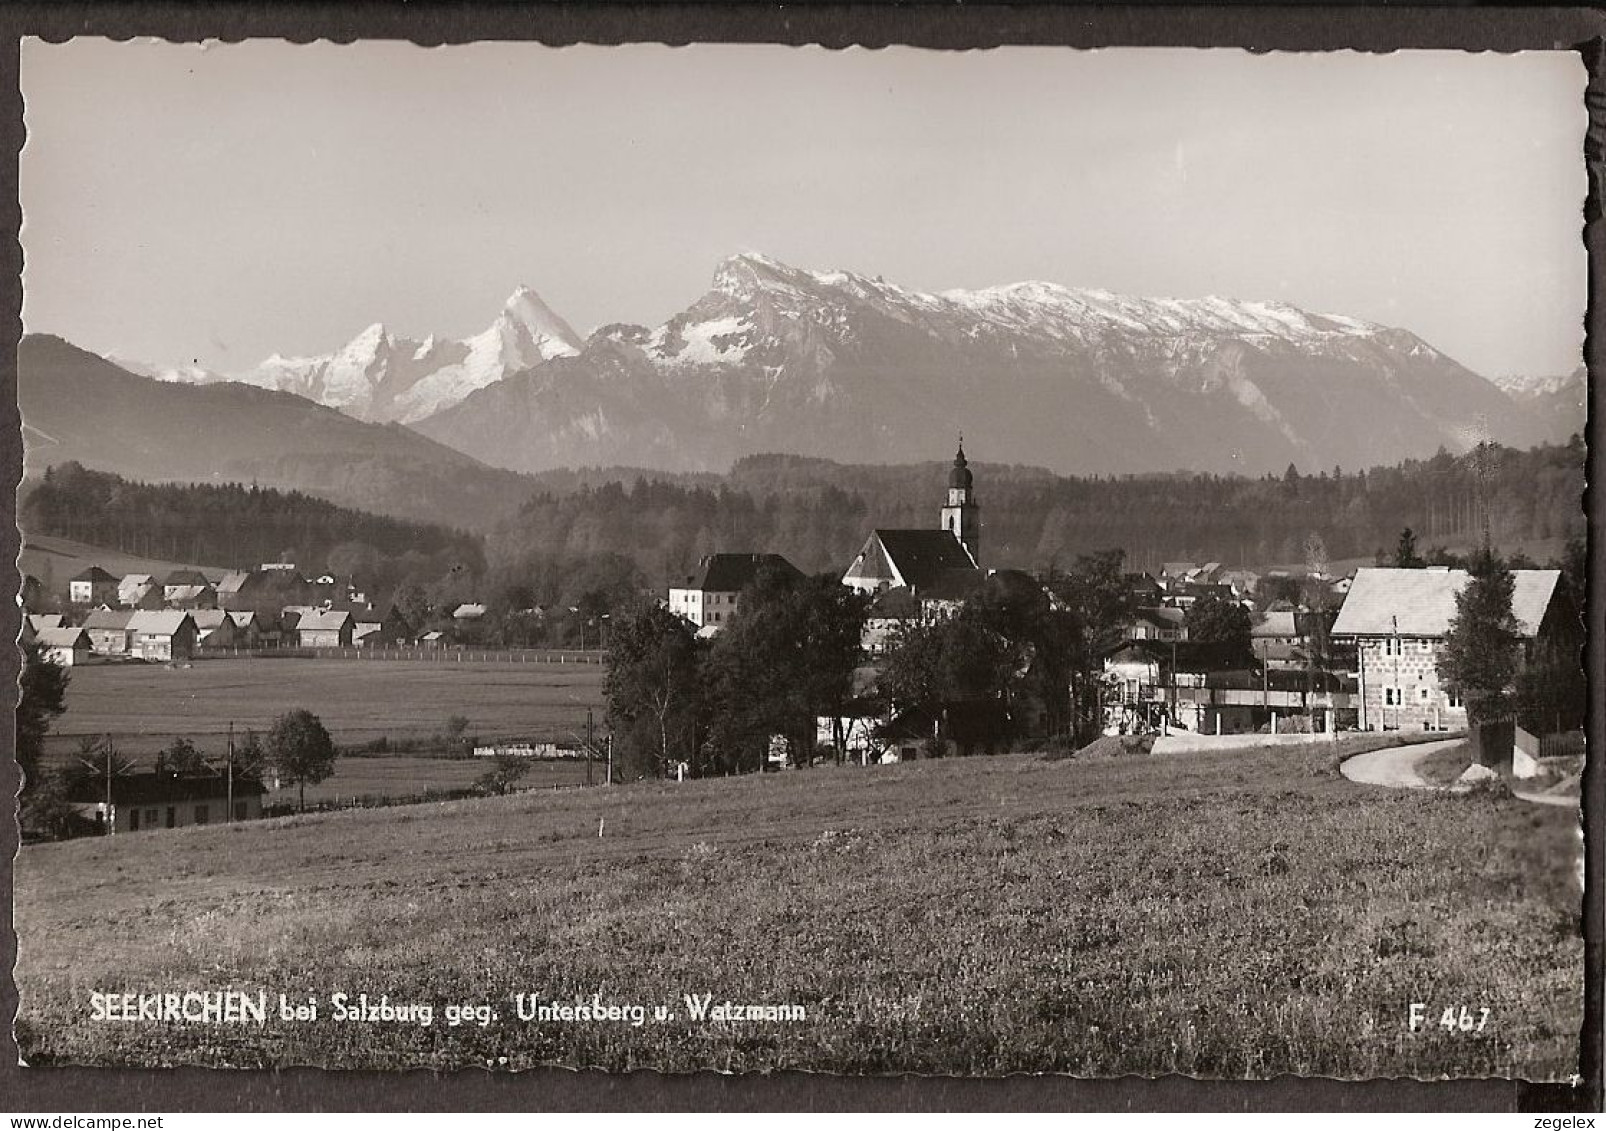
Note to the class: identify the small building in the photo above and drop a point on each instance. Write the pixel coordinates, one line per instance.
(38, 622)
(141, 802)
(434, 639)
(108, 631)
(214, 628)
(324, 629)
(1398, 619)
(64, 646)
(710, 596)
(468, 611)
(164, 635)
(93, 587)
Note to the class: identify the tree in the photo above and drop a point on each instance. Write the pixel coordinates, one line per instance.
(44, 699)
(1101, 605)
(301, 750)
(652, 689)
(958, 659)
(456, 729)
(504, 773)
(1405, 555)
(1480, 654)
(181, 756)
(1213, 619)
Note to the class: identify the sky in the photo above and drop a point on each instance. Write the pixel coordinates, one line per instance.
(214, 204)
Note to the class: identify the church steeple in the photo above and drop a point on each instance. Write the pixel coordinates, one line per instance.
(960, 515)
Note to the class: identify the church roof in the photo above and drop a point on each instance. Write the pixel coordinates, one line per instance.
(921, 556)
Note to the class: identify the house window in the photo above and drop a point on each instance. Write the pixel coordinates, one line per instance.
(1391, 646)
(201, 815)
(239, 810)
(1422, 694)
(152, 816)
(1453, 698)
(133, 820)
(1393, 696)
(172, 816)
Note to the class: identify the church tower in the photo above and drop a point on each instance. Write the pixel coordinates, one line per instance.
(960, 515)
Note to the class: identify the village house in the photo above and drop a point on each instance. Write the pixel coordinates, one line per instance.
(234, 589)
(247, 628)
(140, 591)
(214, 628)
(190, 596)
(165, 635)
(93, 587)
(1160, 622)
(183, 580)
(1398, 618)
(64, 646)
(381, 631)
(709, 597)
(324, 629)
(140, 802)
(108, 631)
(38, 622)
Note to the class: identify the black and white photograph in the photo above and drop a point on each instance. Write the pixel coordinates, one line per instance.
(751, 558)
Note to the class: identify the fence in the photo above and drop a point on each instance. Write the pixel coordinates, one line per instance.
(1567, 744)
(448, 655)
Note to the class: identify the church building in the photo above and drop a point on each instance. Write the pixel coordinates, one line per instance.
(920, 559)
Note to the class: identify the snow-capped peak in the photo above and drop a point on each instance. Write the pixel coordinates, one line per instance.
(554, 336)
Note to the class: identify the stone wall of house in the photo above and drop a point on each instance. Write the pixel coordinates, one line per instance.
(1423, 703)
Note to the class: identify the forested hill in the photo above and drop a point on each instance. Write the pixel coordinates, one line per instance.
(238, 526)
(818, 513)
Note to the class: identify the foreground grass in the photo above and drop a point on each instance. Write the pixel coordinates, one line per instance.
(1239, 915)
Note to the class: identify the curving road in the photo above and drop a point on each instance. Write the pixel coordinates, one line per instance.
(1395, 766)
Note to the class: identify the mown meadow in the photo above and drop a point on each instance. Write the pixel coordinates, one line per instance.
(1228, 914)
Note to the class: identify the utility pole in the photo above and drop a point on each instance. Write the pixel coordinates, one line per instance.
(228, 812)
(591, 743)
(609, 741)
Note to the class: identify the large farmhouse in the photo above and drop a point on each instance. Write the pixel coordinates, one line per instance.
(1398, 619)
(710, 596)
(131, 803)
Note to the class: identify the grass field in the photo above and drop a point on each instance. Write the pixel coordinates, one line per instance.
(1222, 915)
(144, 706)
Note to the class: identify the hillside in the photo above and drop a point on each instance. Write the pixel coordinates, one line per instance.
(1227, 914)
(55, 560)
(853, 368)
(77, 406)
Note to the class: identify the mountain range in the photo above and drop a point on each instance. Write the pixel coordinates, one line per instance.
(853, 368)
(379, 376)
